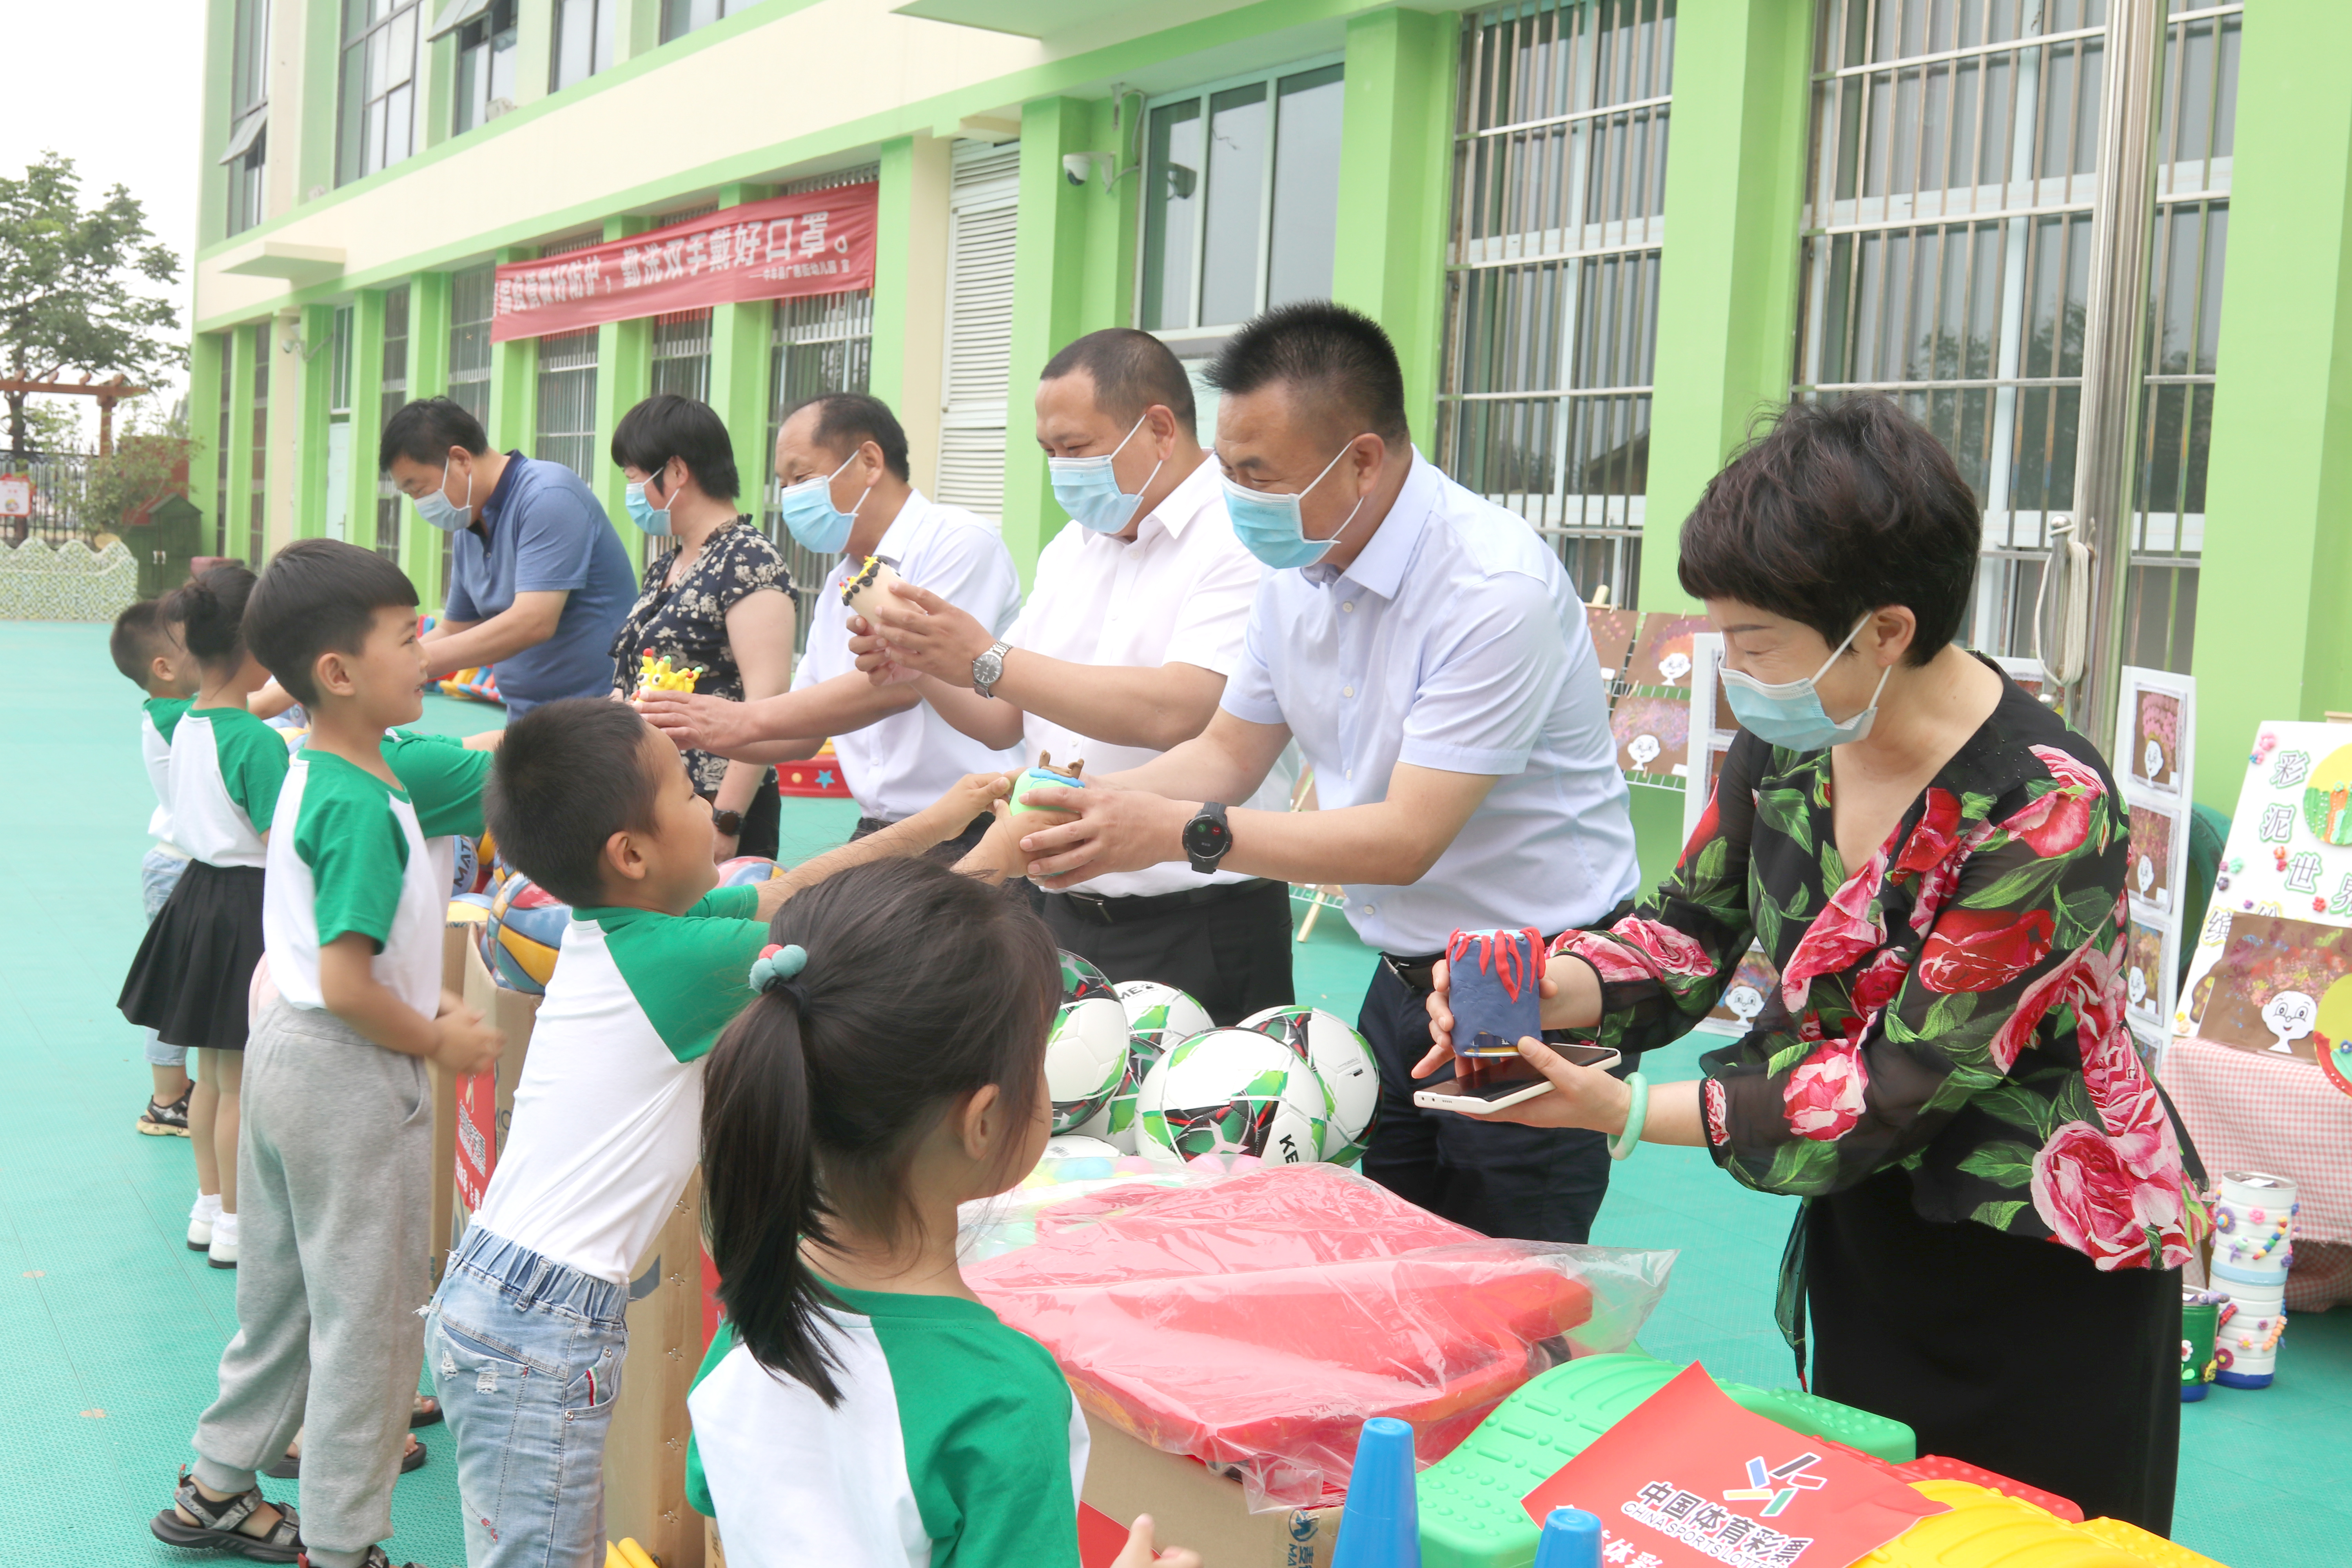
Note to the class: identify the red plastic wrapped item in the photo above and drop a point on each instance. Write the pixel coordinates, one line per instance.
(1254, 1322)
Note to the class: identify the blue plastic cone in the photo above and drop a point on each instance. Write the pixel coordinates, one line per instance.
(1381, 1526)
(1571, 1538)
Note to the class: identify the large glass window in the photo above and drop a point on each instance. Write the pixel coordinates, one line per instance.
(486, 66)
(1552, 272)
(392, 395)
(583, 40)
(1241, 194)
(378, 111)
(1949, 225)
(680, 18)
(249, 137)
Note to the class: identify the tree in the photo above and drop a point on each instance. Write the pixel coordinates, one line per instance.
(66, 302)
(151, 459)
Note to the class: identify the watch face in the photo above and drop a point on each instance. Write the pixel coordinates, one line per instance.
(1205, 836)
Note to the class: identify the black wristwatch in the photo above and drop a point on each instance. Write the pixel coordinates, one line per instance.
(728, 823)
(1207, 837)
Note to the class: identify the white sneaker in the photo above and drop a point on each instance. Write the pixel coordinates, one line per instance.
(223, 1247)
(200, 1221)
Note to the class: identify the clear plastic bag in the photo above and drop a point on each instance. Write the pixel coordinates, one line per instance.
(1254, 1320)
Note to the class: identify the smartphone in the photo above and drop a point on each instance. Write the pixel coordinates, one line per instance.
(1481, 1086)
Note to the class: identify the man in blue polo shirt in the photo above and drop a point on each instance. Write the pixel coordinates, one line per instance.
(539, 584)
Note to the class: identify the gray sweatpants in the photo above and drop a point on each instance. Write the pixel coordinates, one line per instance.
(334, 1181)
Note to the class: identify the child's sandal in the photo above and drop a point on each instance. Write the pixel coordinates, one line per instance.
(375, 1559)
(217, 1525)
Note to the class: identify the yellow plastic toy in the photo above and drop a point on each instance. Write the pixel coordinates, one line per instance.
(627, 1553)
(656, 675)
(1985, 1529)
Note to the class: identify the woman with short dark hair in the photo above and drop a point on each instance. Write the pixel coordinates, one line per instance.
(722, 600)
(1934, 863)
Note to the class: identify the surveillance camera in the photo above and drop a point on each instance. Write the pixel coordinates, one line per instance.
(1077, 166)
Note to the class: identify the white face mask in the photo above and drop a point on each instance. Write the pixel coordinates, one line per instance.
(436, 508)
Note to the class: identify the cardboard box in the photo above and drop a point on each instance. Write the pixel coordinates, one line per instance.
(1191, 1505)
(457, 941)
(645, 1455)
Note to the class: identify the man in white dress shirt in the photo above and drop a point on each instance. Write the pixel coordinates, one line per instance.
(842, 461)
(1131, 629)
(1431, 659)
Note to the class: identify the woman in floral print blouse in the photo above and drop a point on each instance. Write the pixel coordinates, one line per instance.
(721, 600)
(1995, 1207)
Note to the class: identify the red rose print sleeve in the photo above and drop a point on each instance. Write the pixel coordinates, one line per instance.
(1665, 965)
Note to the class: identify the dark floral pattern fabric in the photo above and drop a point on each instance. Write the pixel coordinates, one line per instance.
(1953, 1007)
(686, 621)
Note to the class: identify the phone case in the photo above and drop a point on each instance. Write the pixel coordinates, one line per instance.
(1493, 977)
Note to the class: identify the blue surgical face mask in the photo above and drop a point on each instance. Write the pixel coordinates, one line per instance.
(436, 508)
(1089, 491)
(809, 512)
(1790, 713)
(649, 518)
(1270, 528)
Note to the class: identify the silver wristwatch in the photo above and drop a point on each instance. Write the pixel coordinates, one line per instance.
(988, 668)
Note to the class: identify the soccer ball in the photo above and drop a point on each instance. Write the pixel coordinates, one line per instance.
(1085, 1056)
(1081, 980)
(1071, 1146)
(1115, 1122)
(1232, 1091)
(524, 934)
(1162, 1012)
(468, 873)
(745, 870)
(1345, 1064)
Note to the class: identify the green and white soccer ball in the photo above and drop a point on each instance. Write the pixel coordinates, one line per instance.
(1164, 1012)
(1345, 1063)
(1085, 1057)
(1232, 1091)
(1115, 1122)
(1081, 980)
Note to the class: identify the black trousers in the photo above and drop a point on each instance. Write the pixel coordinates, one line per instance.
(1538, 1184)
(762, 819)
(2011, 1353)
(1231, 953)
(949, 851)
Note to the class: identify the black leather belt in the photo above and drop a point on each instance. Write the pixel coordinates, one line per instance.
(1112, 911)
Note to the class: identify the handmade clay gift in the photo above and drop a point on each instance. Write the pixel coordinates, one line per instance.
(863, 592)
(1046, 775)
(1493, 977)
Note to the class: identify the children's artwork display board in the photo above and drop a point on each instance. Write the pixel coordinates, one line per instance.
(2155, 736)
(1651, 720)
(2027, 672)
(2272, 972)
(1612, 639)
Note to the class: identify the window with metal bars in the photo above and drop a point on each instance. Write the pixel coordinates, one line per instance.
(471, 294)
(392, 395)
(1241, 197)
(817, 343)
(377, 125)
(567, 388)
(341, 342)
(681, 339)
(1950, 226)
(1552, 272)
(221, 447)
(257, 519)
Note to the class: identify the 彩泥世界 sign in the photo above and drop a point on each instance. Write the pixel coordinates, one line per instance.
(818, 242)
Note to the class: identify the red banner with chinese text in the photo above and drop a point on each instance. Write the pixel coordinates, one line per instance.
(1688, 1480)
(820, 242)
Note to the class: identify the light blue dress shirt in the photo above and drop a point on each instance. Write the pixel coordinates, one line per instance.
(1454, 641)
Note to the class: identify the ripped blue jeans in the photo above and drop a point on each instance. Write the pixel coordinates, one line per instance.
(525, 1360)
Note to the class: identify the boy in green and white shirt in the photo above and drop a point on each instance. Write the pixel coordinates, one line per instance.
(338, 1113)
(528, 1329)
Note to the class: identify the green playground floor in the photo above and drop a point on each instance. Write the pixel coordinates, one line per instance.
(115, 1329)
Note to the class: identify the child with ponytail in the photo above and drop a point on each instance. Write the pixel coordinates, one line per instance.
(859, 1405)
(189, 982)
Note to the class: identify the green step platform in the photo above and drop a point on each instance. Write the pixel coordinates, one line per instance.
(1470, 1510)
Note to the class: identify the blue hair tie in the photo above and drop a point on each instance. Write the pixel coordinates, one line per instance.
(777, 966)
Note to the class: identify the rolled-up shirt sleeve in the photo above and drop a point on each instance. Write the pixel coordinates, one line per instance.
(1481, 707)
(1249, 690)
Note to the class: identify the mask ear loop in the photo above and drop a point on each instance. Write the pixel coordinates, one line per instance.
(836, 474)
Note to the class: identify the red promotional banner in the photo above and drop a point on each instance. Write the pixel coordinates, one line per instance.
(1690, 1480)
(478, 1139)
(819, 242)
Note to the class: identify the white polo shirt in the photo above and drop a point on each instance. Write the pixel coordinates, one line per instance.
(1454, 642)
(897, 766)
(1178, 594)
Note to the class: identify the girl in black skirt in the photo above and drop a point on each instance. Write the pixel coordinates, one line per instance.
(190, 980)
(1995, 1208)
